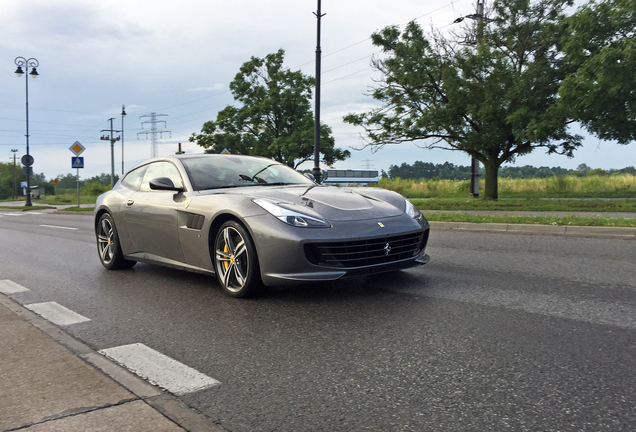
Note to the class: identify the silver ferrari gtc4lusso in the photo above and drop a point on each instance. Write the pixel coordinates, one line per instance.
(254, 221)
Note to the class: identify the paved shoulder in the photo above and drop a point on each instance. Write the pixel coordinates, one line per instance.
(48, 386)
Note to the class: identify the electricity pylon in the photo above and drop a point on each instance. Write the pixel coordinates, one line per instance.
(153, 131)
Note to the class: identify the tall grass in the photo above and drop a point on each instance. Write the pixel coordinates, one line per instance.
(614, 186)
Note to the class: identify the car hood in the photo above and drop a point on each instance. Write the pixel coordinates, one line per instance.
(332, 203)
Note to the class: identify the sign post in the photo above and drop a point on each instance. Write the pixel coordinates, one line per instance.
(55, 182)
(77, 162)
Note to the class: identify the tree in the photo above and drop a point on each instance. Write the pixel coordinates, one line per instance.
(600, 47)
(495, 101)
(6, 179)
(67, 181)
(274, 119)
(583, 168)
(103, 179)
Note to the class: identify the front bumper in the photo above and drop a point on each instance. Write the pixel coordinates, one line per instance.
(282, 253)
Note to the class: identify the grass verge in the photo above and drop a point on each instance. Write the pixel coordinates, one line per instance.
(78, 209)
(525, 204)
(533, 220)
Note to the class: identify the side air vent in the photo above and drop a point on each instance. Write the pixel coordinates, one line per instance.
(195, 221)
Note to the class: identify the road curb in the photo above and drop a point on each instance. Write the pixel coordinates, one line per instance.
(166, 404)
(624, 232)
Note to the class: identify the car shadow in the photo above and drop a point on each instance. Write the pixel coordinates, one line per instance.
(323, 291)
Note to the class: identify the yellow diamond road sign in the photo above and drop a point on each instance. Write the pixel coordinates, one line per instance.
(77, 148)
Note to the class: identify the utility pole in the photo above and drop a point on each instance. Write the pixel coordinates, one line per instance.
(316, 171)
(15, 179)
(153, 131)
(367, 164)
(180, 152)
(474, 163)
(123, 114)
(475, 40)
(112, 140)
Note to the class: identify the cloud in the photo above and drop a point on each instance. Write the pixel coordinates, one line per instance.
(68, 23)
(215, 87)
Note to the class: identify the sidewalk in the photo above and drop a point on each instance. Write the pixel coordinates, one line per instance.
(52, 382)
(40, 204)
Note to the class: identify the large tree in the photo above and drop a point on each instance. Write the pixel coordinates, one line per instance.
(600, 47)
(274, 118)
(495, 100)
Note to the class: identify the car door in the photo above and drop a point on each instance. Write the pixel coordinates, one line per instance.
(151, 215)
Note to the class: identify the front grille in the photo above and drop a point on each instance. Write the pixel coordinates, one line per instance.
(361, 253)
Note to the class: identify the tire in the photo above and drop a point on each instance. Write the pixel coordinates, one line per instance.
(235, 261)
(108, 248)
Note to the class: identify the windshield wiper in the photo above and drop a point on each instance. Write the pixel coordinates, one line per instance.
(252, 179)
(271, 184)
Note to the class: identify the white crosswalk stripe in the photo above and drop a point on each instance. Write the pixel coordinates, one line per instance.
(56, 313)
(159, 369)
(10, 287)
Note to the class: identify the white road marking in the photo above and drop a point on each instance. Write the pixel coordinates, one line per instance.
(159, 369)
(56, 313)
(10, 287)
(14, 214)
(59, 227)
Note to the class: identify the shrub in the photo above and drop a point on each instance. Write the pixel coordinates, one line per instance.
(95, 188)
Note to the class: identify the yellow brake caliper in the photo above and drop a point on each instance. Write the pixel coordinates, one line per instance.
(225, 263)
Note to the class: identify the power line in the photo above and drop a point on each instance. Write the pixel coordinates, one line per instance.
(451, 4)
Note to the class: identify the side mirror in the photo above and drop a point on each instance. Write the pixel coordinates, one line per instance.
(164, 183)
(310, 176)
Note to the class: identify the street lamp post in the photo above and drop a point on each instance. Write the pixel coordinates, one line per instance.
(28, 160)
(123, 114)
(316, 171)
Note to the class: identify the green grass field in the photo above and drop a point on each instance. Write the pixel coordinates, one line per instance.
(614, 186)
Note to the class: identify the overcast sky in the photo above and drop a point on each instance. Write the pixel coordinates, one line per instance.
(178, 58)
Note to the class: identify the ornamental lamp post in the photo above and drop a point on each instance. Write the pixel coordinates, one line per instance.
(27, 160)
(316, 171)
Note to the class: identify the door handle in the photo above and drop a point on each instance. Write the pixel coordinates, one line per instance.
(129, 203)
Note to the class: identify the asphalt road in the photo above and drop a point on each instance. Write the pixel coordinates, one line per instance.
(497, 332)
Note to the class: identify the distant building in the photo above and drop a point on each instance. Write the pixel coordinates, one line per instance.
(352, 177)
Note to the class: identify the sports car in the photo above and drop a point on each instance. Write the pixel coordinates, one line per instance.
(253, 222)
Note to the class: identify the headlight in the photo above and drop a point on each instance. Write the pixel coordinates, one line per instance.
(291, 217)
(412, 211)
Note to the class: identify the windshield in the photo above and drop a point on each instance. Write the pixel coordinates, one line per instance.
(216, 172)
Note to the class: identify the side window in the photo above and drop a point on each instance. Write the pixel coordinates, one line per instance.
(133, 178)
(161, 169)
